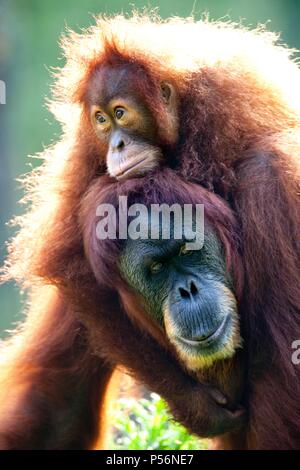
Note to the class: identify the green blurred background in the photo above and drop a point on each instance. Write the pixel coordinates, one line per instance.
(29, 32)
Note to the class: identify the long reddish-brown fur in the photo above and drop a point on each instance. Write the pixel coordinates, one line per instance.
(55, 371)
(162, 186)
(239, 109)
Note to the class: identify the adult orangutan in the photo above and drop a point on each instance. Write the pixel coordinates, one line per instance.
(220, 105)
(185, 294)
(55, 371)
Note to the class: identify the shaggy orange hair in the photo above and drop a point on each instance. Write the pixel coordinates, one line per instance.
(239, 110)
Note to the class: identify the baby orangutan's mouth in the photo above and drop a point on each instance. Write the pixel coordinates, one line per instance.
(130, 169)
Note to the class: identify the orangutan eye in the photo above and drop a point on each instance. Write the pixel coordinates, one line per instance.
(119, 113)
(156, 267)
(184, 250)
(100, 118)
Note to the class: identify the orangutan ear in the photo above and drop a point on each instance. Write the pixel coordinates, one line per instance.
(167, 92)
(169, 96)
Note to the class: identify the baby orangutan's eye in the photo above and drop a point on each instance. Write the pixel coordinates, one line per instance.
(100, 118)
(119, 112)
